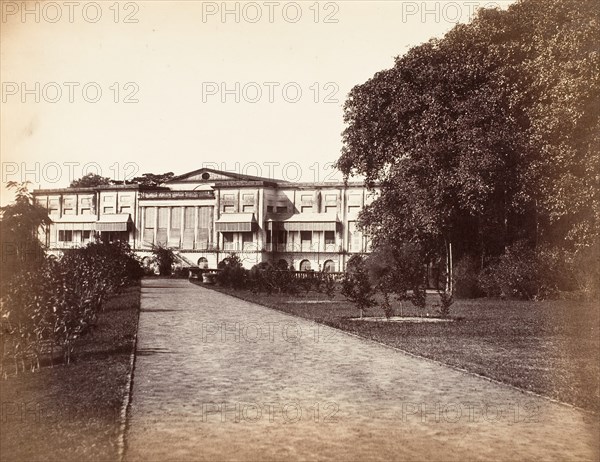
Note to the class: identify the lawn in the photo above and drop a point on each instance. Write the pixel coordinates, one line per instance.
(72, 412)
(550, 347)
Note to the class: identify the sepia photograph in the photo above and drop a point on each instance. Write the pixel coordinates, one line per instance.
(312, 230)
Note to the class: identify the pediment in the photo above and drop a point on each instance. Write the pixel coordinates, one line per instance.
(209, 175)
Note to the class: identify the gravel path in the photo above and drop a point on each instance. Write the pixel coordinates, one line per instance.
(217, 378)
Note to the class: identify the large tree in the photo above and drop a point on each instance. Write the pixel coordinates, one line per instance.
(479, 138)
(20, 223)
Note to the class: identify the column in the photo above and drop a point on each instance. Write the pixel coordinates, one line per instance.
(182, 225)
(169, 225)
(196, 211)
(155, 226)
(141, 227)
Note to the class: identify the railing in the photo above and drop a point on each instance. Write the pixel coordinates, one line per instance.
(295, 274)
(316, 274)
(299, 247)
(176, 195)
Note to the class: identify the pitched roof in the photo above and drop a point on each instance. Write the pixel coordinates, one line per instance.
(210, 175)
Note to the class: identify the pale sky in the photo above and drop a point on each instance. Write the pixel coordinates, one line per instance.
(290, 65)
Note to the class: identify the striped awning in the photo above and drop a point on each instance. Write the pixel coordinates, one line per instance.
(75, 222)
(235, 222)
(305, 222)
(114, 222)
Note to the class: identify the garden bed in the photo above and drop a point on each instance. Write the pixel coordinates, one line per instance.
(72, 412)
(551, 348)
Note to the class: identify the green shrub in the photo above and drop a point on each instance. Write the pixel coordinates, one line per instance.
(400, 271)
(446, 301)
(356, 285)
(262, 277)
(329, 284)
(527, 273)
(58, 301)
(232, 272)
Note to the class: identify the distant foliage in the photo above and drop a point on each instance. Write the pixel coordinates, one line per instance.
(90, 180)
(465, 275)
(528, 273)
(151, 179)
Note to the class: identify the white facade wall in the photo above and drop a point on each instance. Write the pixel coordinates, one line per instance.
(185, 215)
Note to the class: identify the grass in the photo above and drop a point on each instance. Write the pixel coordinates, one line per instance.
(72, 412)
(551, 347)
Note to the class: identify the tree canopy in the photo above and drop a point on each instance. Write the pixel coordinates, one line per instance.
(90, 180)
(151, 179)
(147, 179)
(486, 136)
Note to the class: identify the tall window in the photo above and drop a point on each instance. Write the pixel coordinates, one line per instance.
(306, 240)
(330, 241)
(163, 219)
(108, 204)
(176, 218)
(189, 218)
(149, 221)
(281, 240)
(68, 206)
(330, 203)
(53, 207)
(355, 238)
(86, 206)
(306, 203)
(228, 201)
(248, 242)
(228, 241)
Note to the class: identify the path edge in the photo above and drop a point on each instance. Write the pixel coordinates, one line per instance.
(128, 390)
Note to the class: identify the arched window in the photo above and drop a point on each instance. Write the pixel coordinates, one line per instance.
(329, 266)
(304, 265)
(202, 263)
(282, 264)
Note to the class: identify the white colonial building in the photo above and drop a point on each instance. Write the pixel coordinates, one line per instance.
(206, 214)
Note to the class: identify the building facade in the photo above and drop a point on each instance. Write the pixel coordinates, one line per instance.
(207, 214)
